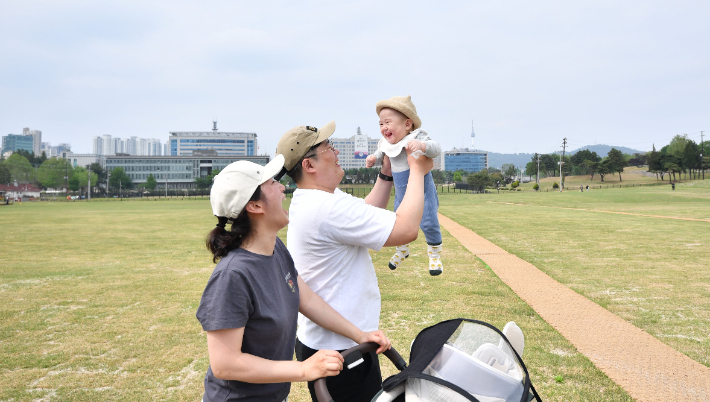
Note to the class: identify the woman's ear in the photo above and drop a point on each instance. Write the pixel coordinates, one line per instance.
(254, 207)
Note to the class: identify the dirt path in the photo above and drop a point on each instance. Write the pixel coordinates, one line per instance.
(610, 212)
(646, 368)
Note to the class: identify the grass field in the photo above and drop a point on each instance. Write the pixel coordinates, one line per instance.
(631, 176)
(653, 272)
(98, 299)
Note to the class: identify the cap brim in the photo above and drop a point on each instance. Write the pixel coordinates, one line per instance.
(325, 132)
(272, 168)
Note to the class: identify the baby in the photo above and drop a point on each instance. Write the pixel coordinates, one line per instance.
(399, 125)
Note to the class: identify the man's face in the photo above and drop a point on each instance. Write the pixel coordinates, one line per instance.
(326, 163)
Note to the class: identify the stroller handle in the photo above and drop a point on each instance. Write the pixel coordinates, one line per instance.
(322, 393)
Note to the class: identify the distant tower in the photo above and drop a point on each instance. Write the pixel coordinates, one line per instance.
(214, 125)
(473, 134)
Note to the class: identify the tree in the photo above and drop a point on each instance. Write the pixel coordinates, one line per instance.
(100, 172)
(616, 161)
(150, 182)
(691, 157)
(479, 180)
(20, 168)
(438, 176)
(457, 177)
(119, 179)
(52, 173)
(548, 164)
(206, 182)
(531, 169)
(74, 184)
(81, 177)
(5, 176)
(603, 168)
(509, 172)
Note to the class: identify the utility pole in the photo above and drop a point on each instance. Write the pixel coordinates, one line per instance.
(88, 188)
(166, 180)
(537, 177)
(108, 181)
(562, 179)
(120, 190)
(66, 175)
(702, 151)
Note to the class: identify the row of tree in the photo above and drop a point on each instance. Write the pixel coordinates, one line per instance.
(23, 167)
(682, 155)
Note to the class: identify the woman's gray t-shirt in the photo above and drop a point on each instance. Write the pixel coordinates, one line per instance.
(259, 293)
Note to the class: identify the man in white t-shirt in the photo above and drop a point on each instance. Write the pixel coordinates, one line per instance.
(329, 237)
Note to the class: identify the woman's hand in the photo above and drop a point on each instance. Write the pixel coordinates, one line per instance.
(378, 337)
(325, 363)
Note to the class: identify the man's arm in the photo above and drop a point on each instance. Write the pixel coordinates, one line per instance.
(380, 195)
(409, 213)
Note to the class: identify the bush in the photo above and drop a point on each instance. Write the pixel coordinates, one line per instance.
(514, 184)
(555, 185)
(536, 187)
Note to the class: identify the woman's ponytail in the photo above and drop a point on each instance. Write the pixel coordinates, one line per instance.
(220, 241)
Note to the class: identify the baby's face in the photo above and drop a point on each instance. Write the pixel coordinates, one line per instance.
(393, 125)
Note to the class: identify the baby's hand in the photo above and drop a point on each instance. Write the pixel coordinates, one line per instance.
(416, 145)
(370, 161)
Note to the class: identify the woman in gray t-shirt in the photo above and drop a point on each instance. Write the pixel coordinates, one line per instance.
(250, 304)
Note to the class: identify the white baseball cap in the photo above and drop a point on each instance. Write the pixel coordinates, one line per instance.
(235, 184)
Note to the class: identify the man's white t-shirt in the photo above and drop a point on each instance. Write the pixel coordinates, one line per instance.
(328, 237)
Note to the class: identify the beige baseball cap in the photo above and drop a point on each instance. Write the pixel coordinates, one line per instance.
(234, 186)
(298, 141)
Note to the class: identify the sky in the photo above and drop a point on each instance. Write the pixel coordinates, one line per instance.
(524, 74)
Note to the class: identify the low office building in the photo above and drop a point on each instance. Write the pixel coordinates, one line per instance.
(469, 160)
(354, 150)
(83, 160)
(178, 172)
(183, 143)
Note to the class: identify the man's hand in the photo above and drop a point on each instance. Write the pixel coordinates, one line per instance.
(378, 337)
(370, 161)
(416, 145)
(386, 166)
(422, 164)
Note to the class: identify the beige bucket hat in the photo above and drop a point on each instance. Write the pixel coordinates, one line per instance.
(235, 184)
(298, 141)
(404, 105)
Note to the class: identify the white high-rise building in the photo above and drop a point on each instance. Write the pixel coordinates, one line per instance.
(98, 148)
(36, 139)
(107, 145)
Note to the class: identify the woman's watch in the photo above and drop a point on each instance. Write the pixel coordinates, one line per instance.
(385, 177)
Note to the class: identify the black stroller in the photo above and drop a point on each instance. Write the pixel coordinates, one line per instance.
(455, 360)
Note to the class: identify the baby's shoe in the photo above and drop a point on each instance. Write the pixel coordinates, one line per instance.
(435, 266)
(399, 256)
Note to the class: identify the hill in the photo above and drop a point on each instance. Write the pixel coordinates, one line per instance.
(603, 149)
(497, 160)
